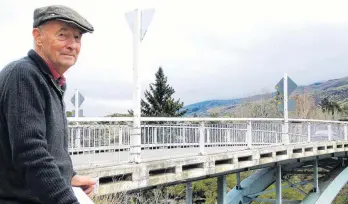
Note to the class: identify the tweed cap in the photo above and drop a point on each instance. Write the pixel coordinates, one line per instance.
(62, 13)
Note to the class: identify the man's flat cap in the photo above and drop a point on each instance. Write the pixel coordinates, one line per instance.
(63, 13)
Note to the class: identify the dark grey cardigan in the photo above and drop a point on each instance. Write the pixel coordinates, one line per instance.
(35, 166)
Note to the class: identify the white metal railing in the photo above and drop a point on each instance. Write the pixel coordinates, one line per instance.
(109, 140)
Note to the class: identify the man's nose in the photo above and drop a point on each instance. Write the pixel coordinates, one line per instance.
(72, 44)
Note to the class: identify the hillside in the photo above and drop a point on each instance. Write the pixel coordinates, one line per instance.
(335, 89)
(201, 108)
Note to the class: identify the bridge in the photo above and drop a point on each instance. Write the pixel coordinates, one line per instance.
(182, 150)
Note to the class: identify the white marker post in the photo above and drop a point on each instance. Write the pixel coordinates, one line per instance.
(76, 103)
(138, 25)
(77, 108)
(136, 136)
(77, 100)
(286, 112)
(285, 86)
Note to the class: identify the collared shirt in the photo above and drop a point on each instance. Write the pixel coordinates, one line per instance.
(60, 79)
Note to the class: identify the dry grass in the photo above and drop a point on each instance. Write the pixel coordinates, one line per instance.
(156, 196)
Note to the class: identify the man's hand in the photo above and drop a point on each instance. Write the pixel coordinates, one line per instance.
(85, 182)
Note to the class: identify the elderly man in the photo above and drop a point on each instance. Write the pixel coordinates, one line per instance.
(35, 166)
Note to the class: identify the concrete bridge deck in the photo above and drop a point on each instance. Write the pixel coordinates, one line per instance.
(169, 171)
(121, 156)
(191, 149)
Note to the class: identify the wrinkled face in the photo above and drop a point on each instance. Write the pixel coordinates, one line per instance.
(59, 43)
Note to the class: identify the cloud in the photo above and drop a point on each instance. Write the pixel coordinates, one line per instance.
(208, 49)
(227, 68)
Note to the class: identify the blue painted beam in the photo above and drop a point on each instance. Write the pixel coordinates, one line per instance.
(255, 183)
(266, 200)
(329, 188)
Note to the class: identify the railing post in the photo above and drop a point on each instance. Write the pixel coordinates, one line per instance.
(285, 133)
(309, 132)
(120, 136)
(78, 138)
(329, 130)
(109, 144)
(155, 135)
(208, 135)
(228, 135)
(201, 138)
(249, 135)
(345, 132)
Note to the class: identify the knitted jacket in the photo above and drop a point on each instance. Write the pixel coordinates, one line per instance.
(35, 166)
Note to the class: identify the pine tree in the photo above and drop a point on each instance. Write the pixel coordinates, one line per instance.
(158, 101)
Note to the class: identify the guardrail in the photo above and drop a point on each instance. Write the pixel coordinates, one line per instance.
(109, 140)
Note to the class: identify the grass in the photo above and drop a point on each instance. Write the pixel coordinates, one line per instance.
(158, 195)
(205, 191)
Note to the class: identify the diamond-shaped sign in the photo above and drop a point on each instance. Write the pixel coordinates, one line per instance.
(81, 99)
(279, 94)
(291, 105)
(73, 100)
(130, 17)
(291, 86)
(145, 20)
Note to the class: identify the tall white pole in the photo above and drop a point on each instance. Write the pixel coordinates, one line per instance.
(286, 113)
(77, 139)
(76, 103)
(136, 135)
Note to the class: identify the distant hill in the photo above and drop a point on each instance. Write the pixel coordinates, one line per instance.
(335, 89)
(201, 108)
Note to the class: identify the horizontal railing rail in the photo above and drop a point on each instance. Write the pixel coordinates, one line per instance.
(109, 139)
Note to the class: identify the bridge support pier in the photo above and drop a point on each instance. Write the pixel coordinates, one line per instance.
(315, 177)
(238, 187)
(278, 184)
(221, 189)
(189, 193)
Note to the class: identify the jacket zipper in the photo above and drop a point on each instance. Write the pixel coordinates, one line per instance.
(59, 89)
(64, 116)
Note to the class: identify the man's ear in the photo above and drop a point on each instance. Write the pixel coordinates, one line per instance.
(37, 36)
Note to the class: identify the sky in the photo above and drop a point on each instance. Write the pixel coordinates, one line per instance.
(219, 49)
